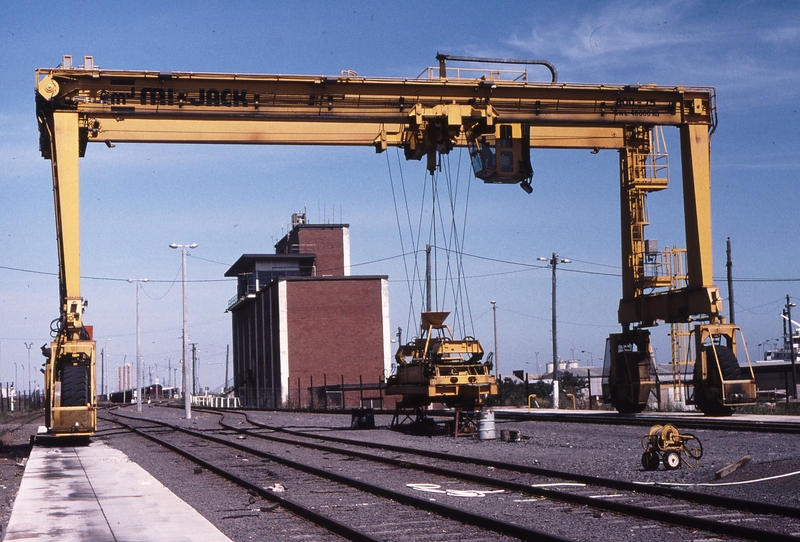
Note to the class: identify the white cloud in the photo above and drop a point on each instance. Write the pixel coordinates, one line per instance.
(736, 48)
(782, 36)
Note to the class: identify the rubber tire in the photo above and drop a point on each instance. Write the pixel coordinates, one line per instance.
(625, 405)
(672, 460)
(650, 460)
(74, 385)
(711, 404)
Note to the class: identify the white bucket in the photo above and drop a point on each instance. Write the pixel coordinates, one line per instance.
(486, 429)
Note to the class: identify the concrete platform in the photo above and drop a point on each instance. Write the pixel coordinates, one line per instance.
(96, 493)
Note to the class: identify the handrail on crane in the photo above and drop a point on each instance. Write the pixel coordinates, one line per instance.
(443, 58)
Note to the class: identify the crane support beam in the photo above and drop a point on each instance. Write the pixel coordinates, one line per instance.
(66, 193)
(697, 204)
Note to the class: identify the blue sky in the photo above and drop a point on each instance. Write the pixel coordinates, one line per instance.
(136, 199)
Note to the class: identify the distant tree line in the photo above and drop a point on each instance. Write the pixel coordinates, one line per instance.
(512, 392)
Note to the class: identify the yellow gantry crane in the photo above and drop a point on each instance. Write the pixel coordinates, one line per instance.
(499, 119)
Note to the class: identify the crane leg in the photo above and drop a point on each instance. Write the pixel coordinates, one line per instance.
(70, 372)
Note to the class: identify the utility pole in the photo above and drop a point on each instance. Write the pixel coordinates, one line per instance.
(227, 353)
(194, 368)
(496, 362)
(790, 336)
(729, 265)
(428, 278)
(104, 379)
(138, 349)
(187, 400)
(102, 368)
(554, 261)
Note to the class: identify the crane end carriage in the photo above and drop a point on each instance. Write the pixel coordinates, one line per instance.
(719, 381)
(70, 379)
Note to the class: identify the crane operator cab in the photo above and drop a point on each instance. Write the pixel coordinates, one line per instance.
(502, 156)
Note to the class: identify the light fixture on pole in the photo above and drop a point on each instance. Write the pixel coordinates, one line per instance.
(496, 362)
(553, 262)
(138, 349)
(187, 399)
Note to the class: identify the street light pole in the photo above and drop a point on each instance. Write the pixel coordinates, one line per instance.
(138, 349)
(187, 399)
(28, 346)
(553, 262)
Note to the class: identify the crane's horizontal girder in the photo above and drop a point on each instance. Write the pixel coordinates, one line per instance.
(288, 132)
(140, 106)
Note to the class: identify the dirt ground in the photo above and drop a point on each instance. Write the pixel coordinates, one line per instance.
(15, 445)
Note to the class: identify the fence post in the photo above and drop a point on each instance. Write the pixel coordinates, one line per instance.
(311, 382)
(298, 392)
(325, 388)
(343, 392)
(786, 384)
(526, 384)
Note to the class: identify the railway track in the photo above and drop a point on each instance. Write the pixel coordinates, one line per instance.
(698, 421)
(686, 420)
(383, 515)
(17, 422)
(532, 496)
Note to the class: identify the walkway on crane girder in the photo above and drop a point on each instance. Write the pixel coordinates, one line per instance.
(96, 493)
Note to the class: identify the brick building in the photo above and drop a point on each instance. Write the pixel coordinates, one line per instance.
(300, 320)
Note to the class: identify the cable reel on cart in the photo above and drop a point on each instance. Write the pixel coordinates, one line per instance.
(665, 444)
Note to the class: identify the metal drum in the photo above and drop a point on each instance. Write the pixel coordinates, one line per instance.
(486, 429)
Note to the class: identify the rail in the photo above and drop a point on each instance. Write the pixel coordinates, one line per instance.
(692, 521)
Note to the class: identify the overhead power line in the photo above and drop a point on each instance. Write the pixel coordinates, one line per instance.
(476, 256)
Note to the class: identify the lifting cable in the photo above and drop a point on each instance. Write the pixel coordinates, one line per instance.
(443, 224)
(454, 245)
(412, 276)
